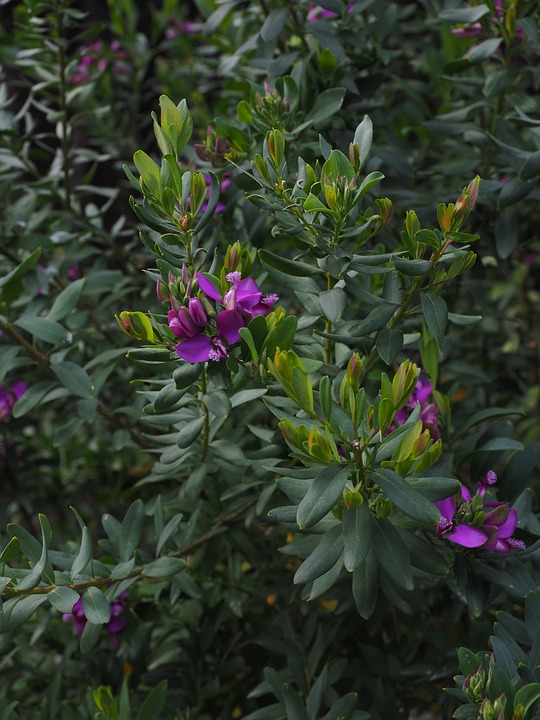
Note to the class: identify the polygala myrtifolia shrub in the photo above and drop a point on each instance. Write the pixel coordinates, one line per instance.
(321, 525)
(370, 503)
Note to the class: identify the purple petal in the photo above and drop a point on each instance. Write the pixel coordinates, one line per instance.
(195, 349)
(116, 624)
(508, 527)
(248, 294)
(208, 287)
(19, 388)
(447, 507)
(423, 389)
(467, 536)
(228, 324)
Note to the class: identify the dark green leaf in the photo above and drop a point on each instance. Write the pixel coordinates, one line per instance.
(44, 329)
(274, 24)
(357, 533)
(333, 303)
(74, 378)
(404, 497)
(164, 567)
(131, 529)
(392, 552)
(322, 558)
(327, 104)
(189, 433)
(63, 599)
(365, 585)
(323, 493)
(96, 607)
(389, 344)
(436, 315)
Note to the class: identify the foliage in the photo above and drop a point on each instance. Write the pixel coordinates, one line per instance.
(309, 472)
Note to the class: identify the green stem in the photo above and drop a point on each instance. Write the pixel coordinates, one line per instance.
(44, 361)
(206, 417)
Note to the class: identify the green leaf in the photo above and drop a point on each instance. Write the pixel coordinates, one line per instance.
(105, 701)
(131, 529)
(393, 553)
(84, 556)
(294, 707)
(187, 375)
(436, 315)
(376, 319)
(325, 396)
(281, 336)
(365, 584)
(289, 267)
(247, 337)
(313, 204)
(217, 401)
(464, 14)
(527, 696)
(149, 172)
(274, 24)
(506, 231)
(168, 531)
(322, 558)
(531, 166)
(96, 607)
(337, 167)
(74, 378)
(303, 389)
(164, 567)
(16, 611)
(434, 488)
(327, 104)
(333, 303)
(463, 320)
(89, 637)
(357, 533)
(363, 137)
(404, 497)
(63, 598)
(66, 301)
(498, 444)
(389, 344)
(10, 284)
(412, 267)
(189, 433)
(44, 329)
(483, 50)
(11, 550)
(323, 493)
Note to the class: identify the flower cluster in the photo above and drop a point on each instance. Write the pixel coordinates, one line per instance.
(207, 326)
(115, 624)
(475, 30)
(470, 522)
(8, 398)
(98, 57)
(429, 411)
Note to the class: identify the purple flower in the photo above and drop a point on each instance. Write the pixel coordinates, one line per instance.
(471, 523)
(8, 398)
(429, 411)
(115, 624)
(241, 303)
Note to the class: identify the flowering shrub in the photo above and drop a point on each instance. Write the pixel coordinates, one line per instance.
(253, 502)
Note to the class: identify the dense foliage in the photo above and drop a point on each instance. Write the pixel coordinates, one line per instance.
(302, 483)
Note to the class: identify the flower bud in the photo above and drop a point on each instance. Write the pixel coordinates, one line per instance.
(197, 313)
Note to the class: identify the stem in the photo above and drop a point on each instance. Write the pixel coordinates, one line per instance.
(206, 417)
(62, 104)
(44, 361)
(186, 550)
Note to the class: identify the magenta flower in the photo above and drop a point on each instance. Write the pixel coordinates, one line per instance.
(429, 411)
(471, 523)
(8, 398)
(241, 303)
(115, 624)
